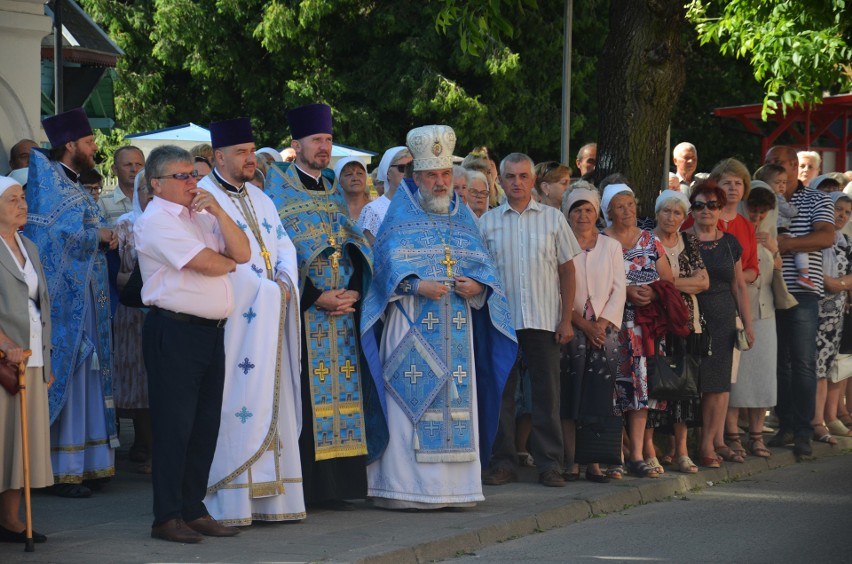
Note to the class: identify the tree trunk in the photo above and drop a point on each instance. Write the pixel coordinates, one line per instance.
(640, 78)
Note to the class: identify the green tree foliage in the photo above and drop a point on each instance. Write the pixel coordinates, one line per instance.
(797, 50)
(382, 66)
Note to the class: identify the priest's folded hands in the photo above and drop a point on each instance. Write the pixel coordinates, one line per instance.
(468, 288)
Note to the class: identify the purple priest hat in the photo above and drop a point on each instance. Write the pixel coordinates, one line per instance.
(231, 132)
(309, 120)
(67, 126)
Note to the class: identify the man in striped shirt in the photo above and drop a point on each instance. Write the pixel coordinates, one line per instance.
(810, 231)
(532, 246)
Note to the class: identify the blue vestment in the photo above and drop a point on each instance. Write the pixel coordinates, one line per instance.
(411, 243)
(331, 368)
(64, 223)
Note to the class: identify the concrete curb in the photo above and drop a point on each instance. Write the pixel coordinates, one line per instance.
(618, 496)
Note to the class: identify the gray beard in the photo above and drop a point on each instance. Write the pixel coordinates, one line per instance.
(433, 204)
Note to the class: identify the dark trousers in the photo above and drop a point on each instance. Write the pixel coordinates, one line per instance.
(186, 378)
(541, 353)
(797, 333)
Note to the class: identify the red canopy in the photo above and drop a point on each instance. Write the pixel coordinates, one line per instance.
(823, 127)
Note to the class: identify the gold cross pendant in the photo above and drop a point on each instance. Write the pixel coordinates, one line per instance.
(265, 254)
(335, 258)
(448, 262)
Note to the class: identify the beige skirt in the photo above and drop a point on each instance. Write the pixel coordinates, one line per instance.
(12, 466)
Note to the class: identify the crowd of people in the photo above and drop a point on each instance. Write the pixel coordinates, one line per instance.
(285, 341)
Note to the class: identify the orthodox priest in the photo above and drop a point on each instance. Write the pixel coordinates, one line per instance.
(72, 239)
(335, 268)
(438, 336)
(255, 472)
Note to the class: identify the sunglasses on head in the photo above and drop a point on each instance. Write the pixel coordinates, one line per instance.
(711, 205)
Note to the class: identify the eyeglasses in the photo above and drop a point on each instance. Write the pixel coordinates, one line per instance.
(477, 193)
(399, 167)
(711, 205)
(182, 176)
(93, 188)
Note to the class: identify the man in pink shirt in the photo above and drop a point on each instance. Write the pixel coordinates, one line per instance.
(187, 245)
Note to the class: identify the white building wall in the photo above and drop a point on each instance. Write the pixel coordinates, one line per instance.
(23, 25)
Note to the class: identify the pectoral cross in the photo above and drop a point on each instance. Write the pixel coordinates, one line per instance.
(335, 256)
(265, 254)
(448, 262)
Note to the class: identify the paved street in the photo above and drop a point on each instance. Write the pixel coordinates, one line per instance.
(114, 525)
(800, 513)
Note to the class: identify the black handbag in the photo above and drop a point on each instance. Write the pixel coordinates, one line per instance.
(131, 294)
(846, 336)
(598, 439)
(598, 432)
(673, 377)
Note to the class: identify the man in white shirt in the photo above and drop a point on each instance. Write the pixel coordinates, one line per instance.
(186, 245)
(532, 246)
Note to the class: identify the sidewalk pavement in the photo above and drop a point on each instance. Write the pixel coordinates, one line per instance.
(114, 525)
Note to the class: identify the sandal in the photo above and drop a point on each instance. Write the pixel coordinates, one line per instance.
(729, 455)
(846, 419)
(824, 437)
(667, 459)
(756, 446)
(615, 472)
(641, 469)
(838, 429)
(734, 443)
(685, 464)
(655, 464)
(711, 462)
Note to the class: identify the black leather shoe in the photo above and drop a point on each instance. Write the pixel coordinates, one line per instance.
(780, 439)
(11, 536)
(335, 505)
(76, 491)
(209, 526)
(597, 478)
(802, 447)
(175, 530)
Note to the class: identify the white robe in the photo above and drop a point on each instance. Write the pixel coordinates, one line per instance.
(256, 472)
(397, 480)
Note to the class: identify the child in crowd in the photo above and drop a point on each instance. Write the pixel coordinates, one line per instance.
(776, 177)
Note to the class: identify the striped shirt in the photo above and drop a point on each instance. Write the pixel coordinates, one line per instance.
(528, 248)
(813, 206)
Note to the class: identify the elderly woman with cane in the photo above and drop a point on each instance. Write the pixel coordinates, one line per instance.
(23, 296)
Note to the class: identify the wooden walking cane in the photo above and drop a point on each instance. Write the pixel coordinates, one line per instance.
(22, 389)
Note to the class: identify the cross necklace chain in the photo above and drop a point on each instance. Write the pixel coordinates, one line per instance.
(448, 261)
(329, 228)
(247, 208)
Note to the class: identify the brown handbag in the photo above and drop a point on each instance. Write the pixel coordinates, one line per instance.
(9, 376)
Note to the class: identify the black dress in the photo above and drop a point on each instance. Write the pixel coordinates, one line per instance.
(719, 309)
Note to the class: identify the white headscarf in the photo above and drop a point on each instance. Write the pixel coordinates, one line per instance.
(384, 165)
(667, 195)
(276, 156)
(134, 214)
(341, 164)
(7, 182)
(21, 175)
(608, 194)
